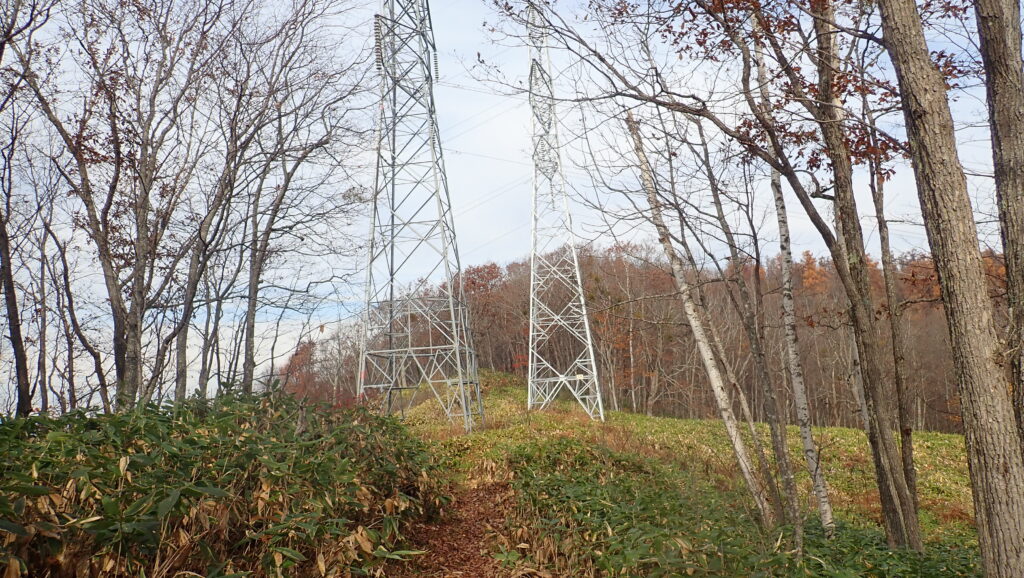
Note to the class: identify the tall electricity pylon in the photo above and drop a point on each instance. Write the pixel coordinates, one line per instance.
(416, 326)
(561, 347)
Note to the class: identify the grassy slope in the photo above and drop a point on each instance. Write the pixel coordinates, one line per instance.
(660, 495)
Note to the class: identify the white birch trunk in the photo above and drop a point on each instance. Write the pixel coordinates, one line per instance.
(795, 368)
(697, 328)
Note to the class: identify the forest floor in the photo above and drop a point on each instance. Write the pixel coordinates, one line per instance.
(458, 544)
(553, 494)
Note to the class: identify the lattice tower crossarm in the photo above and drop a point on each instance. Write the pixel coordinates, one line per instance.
(561, 345)
(416, 324)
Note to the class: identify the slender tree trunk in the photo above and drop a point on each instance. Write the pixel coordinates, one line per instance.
(72, 320)
(131, 378)
(181, 364)
(200, 256)
(629, 337)
(898, 503)
(697, 328)
(16, 24)
(899, 346)
(14, 334)
(251, 303)
(993, 449)
(1000, 32)
(765, 470)
(205, 361)
(613, 386)
(796, 372)
(260, 249)
(132, 391)
(41, 372)
(747, 310)
(793, 360)
(755, 437)
(899, 516)
(69, 340)
(856, 381)
(653, 391)
(196, 269)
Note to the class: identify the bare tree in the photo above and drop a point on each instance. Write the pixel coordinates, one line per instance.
(795, 366)
(129, 154)
(994, 451)
(306, 136)
(748, 302)
(757, 490)
(781, 144)
(19, 19)
(14, 125)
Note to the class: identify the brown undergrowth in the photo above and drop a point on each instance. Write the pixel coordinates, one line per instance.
(461, 542)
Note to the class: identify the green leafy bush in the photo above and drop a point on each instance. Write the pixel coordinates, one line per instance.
(247, 486)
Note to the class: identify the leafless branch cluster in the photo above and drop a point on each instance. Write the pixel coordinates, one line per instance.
(169, 166)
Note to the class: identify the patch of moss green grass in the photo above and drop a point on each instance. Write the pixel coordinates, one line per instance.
(648, 496)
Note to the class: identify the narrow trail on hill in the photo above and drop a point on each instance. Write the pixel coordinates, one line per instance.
(459, 544)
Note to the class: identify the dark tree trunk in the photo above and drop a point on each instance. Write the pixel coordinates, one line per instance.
(1000, 32)
(24, 406)
(993, 448)
(898, 503)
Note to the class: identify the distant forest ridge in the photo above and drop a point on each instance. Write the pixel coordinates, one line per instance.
(646, 355)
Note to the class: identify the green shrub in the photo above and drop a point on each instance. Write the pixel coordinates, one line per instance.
(247, 486)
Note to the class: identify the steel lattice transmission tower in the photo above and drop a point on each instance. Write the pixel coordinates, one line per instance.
(416, 325)
(561, 347)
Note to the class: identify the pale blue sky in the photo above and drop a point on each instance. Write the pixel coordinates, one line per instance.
(487, 147)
